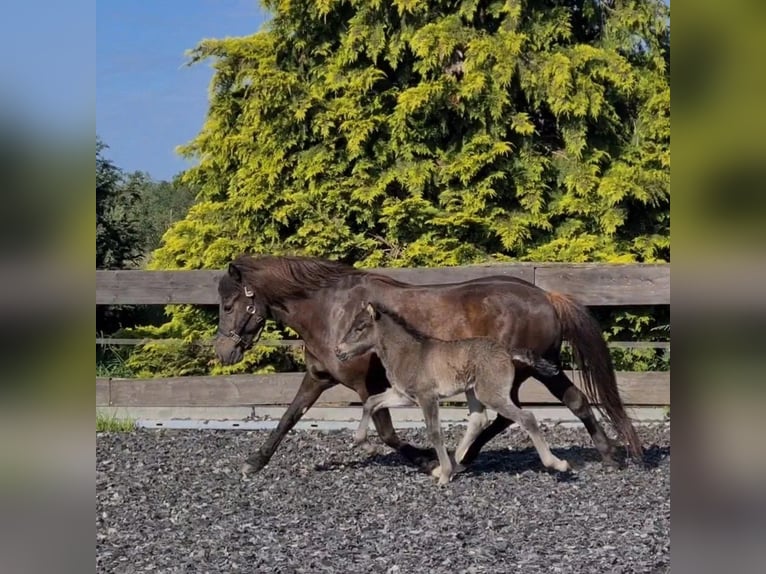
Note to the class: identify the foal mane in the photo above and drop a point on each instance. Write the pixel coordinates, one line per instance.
(279, 278)
(402, 322)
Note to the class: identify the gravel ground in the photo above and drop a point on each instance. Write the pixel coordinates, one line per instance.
(173, 501)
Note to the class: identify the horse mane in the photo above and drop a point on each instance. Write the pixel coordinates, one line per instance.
(402, 322)
(279, 278)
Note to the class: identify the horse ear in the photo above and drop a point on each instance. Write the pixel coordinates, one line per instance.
(235, 273)
(371, 310)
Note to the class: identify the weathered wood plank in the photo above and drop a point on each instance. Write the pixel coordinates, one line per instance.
(652, 388)
(102, 392)
(593, 284)
(220, 391)
(200, 287)
(608, 284)
(645, 389)
(157, 287)
(133, 342)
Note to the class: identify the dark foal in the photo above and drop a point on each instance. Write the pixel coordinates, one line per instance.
(423, 370)
(319, 300)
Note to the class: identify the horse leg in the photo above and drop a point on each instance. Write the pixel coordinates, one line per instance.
(307, 395)
(575, 400)
(387, 399)
(477, 422)
(430, 406)
(495, 428)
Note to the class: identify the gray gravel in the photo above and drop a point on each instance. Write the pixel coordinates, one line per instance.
(173, 501)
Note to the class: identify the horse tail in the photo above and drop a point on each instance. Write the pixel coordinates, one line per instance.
(592, 357)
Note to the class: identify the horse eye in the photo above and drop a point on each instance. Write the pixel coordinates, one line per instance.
(227, 308)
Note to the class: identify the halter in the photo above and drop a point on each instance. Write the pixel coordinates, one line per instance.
(250, 309)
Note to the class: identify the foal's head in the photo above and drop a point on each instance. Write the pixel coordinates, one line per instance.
(361, 336)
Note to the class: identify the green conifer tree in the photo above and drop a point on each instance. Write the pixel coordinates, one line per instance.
(424, 133)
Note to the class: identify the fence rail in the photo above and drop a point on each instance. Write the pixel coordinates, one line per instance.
(591, 284)
(639, 389)
(116, 342)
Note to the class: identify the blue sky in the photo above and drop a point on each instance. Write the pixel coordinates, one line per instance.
(48, 65)
(147, 100)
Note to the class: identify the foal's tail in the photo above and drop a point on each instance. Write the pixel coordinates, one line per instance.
(591, 354)
(528, 358)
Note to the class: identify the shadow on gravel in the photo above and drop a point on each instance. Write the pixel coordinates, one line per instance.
(514, 461)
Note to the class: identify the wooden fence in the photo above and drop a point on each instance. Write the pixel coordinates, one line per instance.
(591, 284)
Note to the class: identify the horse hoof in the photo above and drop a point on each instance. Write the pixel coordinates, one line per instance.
(436, 472)
(253, 464)
(563, 466)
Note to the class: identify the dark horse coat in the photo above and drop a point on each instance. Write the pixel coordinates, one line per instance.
(319, 299)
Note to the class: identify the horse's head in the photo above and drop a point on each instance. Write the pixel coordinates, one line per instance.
(241, 318)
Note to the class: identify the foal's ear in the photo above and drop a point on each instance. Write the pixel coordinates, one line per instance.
(235, 273)
(371, 310)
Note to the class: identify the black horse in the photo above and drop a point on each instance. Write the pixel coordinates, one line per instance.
(319, 300)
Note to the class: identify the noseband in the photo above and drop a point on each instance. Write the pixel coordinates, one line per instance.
(250, 309)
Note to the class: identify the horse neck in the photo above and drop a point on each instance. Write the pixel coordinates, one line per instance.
(308, 314)
(396, 347)
(299, 315)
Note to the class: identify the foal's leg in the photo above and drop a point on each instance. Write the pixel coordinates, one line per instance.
(387, 399)
(375, 383)
(477, 422)
(430, 406)
(563, 389)
(423, 458)
(496, 427)
(498, 398)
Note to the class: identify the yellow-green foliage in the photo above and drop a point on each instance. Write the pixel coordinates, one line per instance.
(434, 133)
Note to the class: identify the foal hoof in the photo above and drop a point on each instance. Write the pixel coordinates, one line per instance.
(610, 464)
(247, 470)
(365, 445)
(442, 478)
(562, 466)
(430, 467)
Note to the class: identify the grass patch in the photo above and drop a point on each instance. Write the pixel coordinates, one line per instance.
(110, 423)
(114, 369)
